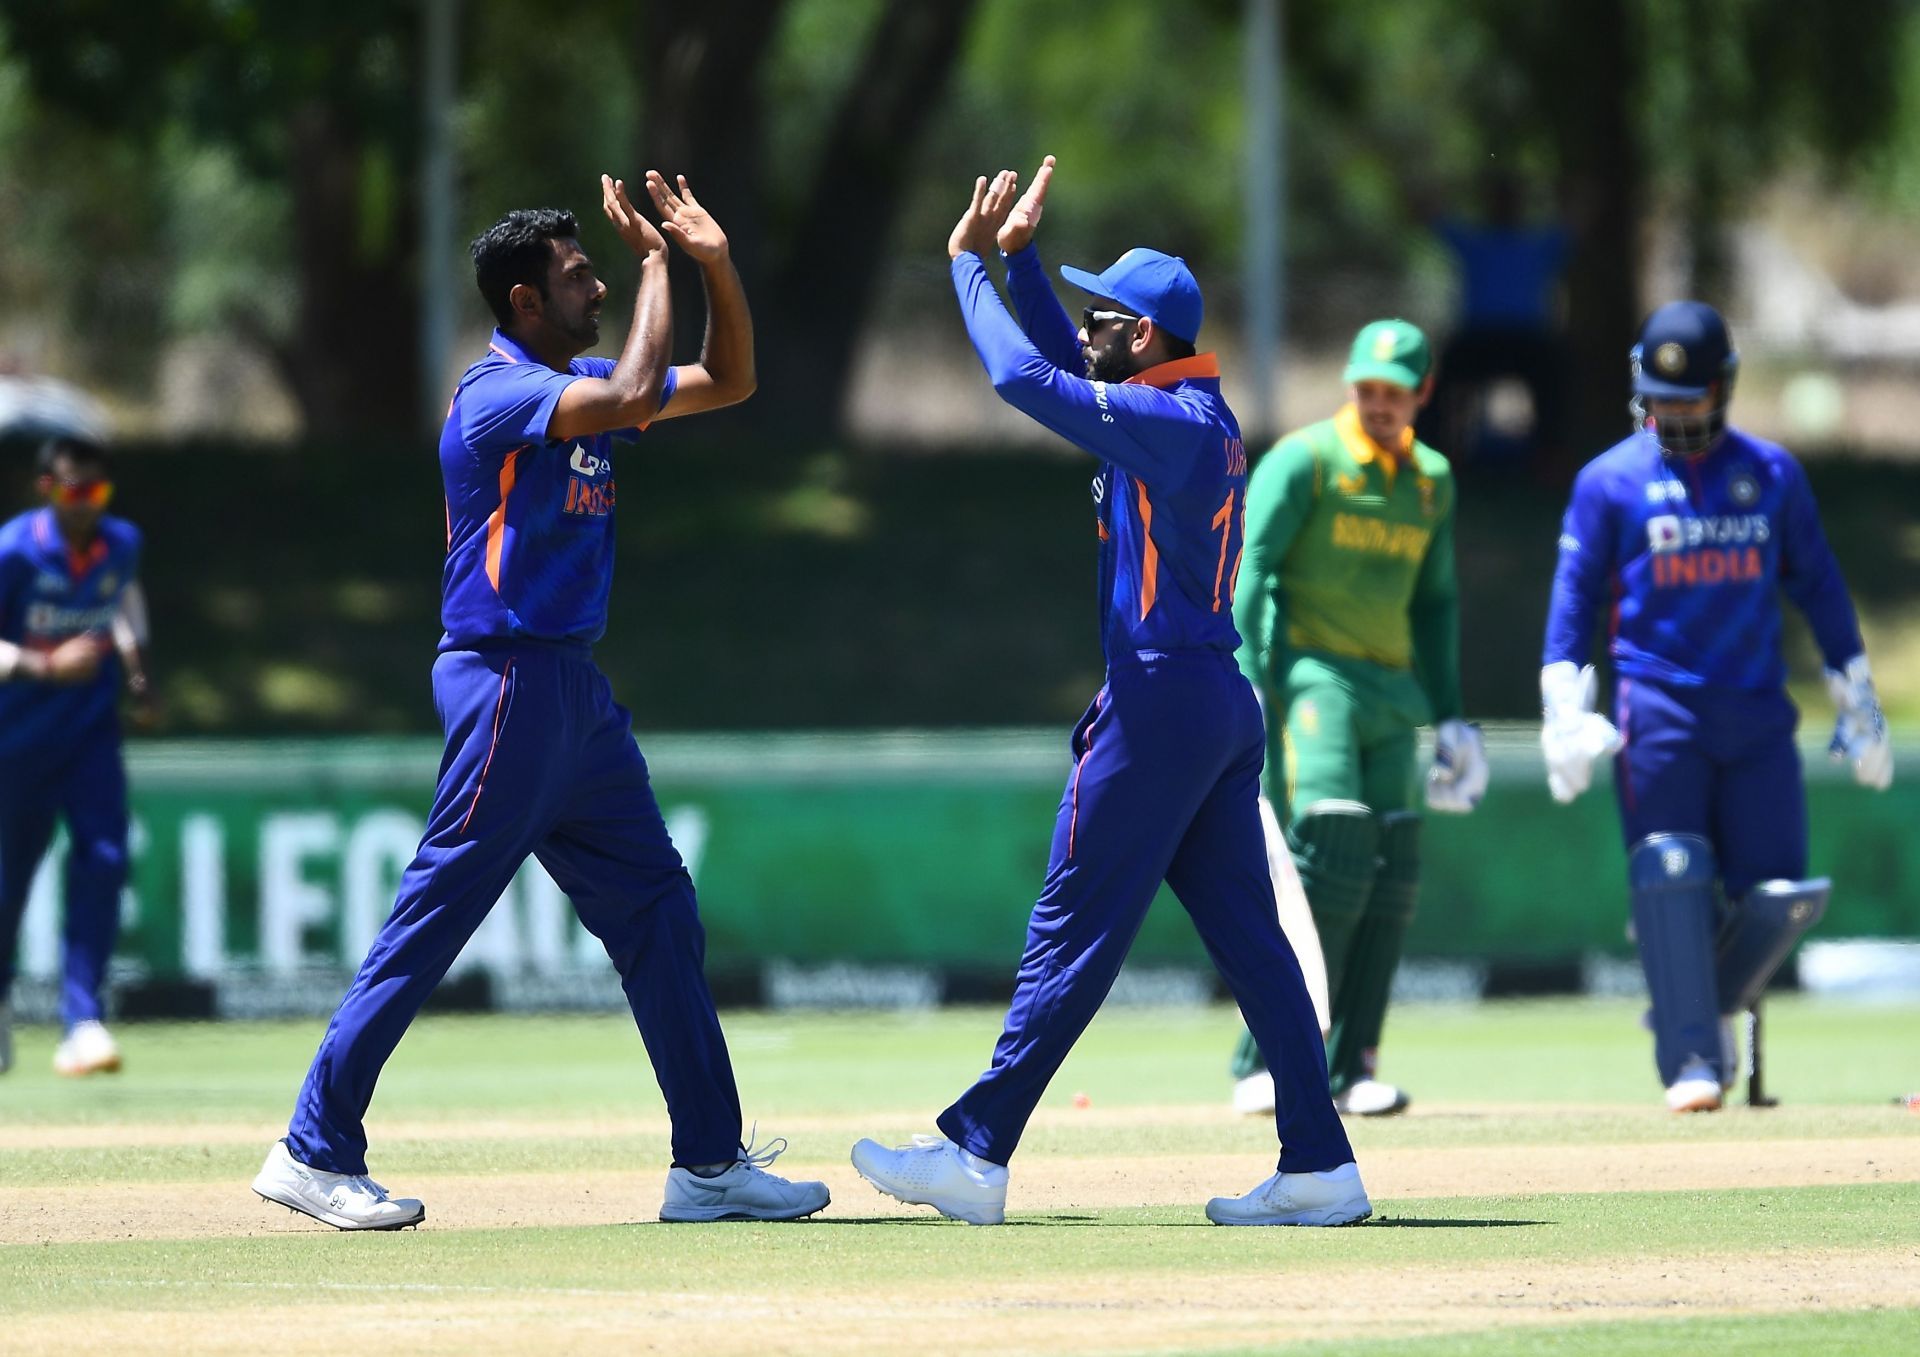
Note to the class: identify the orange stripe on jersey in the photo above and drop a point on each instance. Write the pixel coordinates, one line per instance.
(1149, 555)
(1073, 820)
(497, 520)
(1179, 370)
(499, 707)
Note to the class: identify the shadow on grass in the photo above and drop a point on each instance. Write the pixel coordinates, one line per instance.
(1010, 1224)
(1045, 1222)
(1449, 1223)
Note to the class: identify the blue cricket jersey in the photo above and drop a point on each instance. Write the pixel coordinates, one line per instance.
(1690, 556)
(529, 519)
(1170, 501)
(49, 594)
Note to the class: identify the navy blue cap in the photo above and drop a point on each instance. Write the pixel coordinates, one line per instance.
(1158, 286)
(1682, 351)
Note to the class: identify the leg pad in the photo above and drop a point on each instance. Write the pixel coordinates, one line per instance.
(1672, 876)
(1759, 930)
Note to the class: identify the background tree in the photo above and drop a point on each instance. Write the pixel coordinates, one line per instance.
(316, 98)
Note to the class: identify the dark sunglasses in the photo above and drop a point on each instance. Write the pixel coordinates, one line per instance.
(94, 494)
(1093, 317)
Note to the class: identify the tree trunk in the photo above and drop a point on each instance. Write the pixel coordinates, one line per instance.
(829, 272)
(704, 119)
(1592, 102)
(352, 361)
(811, 287)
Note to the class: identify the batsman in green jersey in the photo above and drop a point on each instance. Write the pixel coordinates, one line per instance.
(1349, 619)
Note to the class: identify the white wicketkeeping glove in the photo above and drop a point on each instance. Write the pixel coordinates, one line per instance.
(1458, 778)
(1860, 735)
(1572, 733)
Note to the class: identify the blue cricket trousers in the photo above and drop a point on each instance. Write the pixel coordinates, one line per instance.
(84, 782)
(1165, 786)
(541, 760)
(1719, 763)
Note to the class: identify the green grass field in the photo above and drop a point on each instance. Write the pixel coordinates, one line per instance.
(1537, 1199)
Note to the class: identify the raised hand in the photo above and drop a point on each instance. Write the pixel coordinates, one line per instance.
(636, 230)
(992, 200)
(1017, 233)
(684, 221)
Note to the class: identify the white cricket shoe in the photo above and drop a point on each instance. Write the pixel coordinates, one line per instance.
(346, 1201)
(933, 1171)
(1696, 1090)
(1371, 1098)
(1253, 1096)
(6, 1037)
(1332, 1197)
(745, 1191)
(87, 1048)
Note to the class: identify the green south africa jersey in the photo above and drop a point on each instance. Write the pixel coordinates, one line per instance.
(1349, 555)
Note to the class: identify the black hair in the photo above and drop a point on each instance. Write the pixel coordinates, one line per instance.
(1177, 348)
(515, 250)
(85, 453)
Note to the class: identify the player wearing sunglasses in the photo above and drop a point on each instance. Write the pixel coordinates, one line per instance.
(72, 627)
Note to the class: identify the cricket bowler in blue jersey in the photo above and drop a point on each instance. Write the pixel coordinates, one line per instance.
(1166, 772)
(72, 626)
(540, 759)
(1684, 536)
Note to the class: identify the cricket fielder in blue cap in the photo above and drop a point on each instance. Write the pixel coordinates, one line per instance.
(1167, 759)
(1684, 535)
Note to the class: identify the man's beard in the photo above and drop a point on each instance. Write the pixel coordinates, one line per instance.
(1111, 365)
(584, 331)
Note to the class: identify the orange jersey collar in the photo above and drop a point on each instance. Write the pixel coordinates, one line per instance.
(1164, 375)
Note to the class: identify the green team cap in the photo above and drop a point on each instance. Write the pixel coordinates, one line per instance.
(1389, 351)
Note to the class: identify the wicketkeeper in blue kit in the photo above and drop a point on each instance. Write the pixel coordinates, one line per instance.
(540, 759)
(1165, 780)
(1689, 531)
